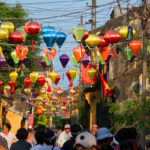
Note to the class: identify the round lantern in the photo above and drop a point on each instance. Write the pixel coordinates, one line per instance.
(124, 32)
(1, 83)
(27, 82)
(21, 51)
(8, 25)
(53, 75)
(92, 40)
(102, 42)
(16, 37)
(112, 36)
(13, 76)
(135, 46)
(63, 108)
(34, 76)
(73, 73)
(91, 73)
(3, 34)
(79, 52)
(14, 57)
(41, 81)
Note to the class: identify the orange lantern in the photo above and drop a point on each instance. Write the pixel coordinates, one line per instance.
(50, 53)
(78, 52)
(105, 52)
(21, 51)
(135, 47)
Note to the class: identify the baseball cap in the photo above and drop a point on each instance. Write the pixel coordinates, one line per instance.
(67, 126)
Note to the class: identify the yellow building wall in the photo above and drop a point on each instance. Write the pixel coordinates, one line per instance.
(92, 98)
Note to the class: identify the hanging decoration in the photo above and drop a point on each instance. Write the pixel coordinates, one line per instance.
(92, 40)
(50, 54)
(13, 76)
(57, 80)
(4, 34)
(27, 82)
(47, 29)
(21, 51)
(8, 25)
(92, 73)
(41, 81)
(135, 46)
(73, 74)
(78, 32)
(34, 76)
(2, 61)
(43, 63)
(64, 59)
(61, 37)
(12, 86)
(16, 37)
(74, 60)
(48, 89)
(14, 57)
(79, 52)
(128, 53)
(32, 28)
(46, 60)
(40, 109)
(105, 51)
(102, 42)
(1, 83)
(68, 75)
(53, 75)
(85, 60)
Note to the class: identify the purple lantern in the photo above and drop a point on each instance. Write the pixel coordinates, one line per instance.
(23, 61)
(85, 60)
(64, 60)
(43, 63)
(2, 61)
(109, 57)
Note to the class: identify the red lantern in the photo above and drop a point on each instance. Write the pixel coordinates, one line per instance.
(64, 102)
(57, 80)
(44, 102)
(41, 81)
(105, 52)
(27, 82)
(32, 28)
(16, 37)
(21, 51)
(54, 102)
(102, 43)
(36, 92)
(12, 86)
(1, 83)
(78, 52)
(135, 47)
(112, 36)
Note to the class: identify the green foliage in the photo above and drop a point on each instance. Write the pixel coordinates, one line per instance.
(58, 122)
(132, 113)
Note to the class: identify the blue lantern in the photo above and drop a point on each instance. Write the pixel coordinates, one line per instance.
(0, 21)
(57, 115)
(50, 38)
(61, 37)
(66, 117)
(61, 115)
(47, 29)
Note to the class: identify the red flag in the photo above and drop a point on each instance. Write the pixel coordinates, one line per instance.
(85, 76)
(114, 54)
(106, 88)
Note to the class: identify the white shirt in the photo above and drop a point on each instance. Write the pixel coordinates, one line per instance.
(43, 147)
(9, 138)
(63, 137)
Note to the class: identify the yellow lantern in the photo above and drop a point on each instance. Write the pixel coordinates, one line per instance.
(63, 108)
(3, 34)
(53, 109)
(73, 73)
(92, 40)
(34, 76)
(8, 25)
(91, 73)
(124, 32)
(13, 76)
(53, 75)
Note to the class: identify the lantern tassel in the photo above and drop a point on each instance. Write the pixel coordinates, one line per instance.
(114, 54)
(32, 44)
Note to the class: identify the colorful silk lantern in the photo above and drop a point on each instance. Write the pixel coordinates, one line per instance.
(127, 33)
(105, 52)
(16, 37)
(50, 38)
(92, 73)
(46, 60)
(73, 73)
(21, 51)
(43, 63)
(0, 21)
(8, 25)
(23, 61)
(64, 60)
(135, 46)
(79, 52)
(14, 57)
(112, 36)
(61, 37)
(53, 75)
(68, 75)
(47, 29)
(2, 61)
(92, 40)
(39, 109)
(53, 109)
(49, 89)
(41, 81)
(128, 53)
(79, 33)
(1, 83)
(3, 34)
(85, 36)
(74, 60)
(64, 102)
(57, 80)
(34, 76)
(63, 108)
(102, 42)
(12, 86)
(13, 76)
(85, 60)
(50, 53)
(27, 82)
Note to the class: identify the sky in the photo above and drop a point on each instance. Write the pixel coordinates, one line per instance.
(64, 15)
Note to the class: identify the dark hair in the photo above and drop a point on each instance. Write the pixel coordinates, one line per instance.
(39, 136)
(126, 145)
(106, 147)
(8, 126)
(41, 128)
(75, 130)
(132, 133)
(22, 134)
(104, 141)
(50, 137)
(30, 130)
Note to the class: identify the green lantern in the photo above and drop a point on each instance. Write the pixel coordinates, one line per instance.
(14, 57)
(74, 60)
(100, 58)
(45, 59)
(128, 53)
(78, 33)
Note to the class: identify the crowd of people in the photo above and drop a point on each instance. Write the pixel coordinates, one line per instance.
(71, 138)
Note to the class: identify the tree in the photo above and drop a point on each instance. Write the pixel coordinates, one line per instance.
(58, 122)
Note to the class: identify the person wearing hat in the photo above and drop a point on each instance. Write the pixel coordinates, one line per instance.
(104, 136)
(64, 136)
(85, 140)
